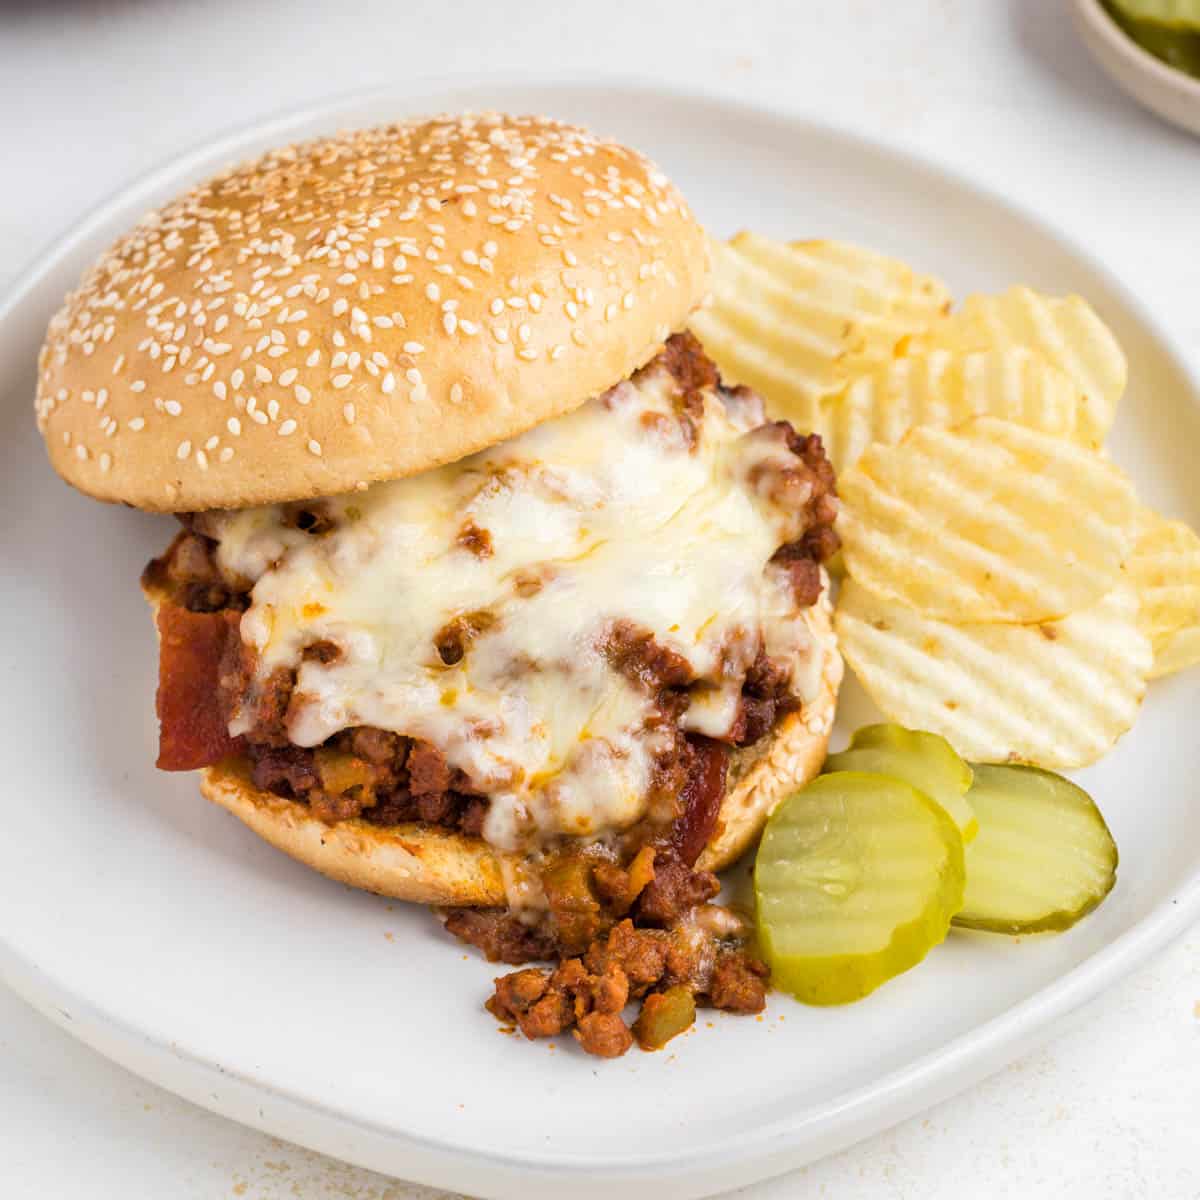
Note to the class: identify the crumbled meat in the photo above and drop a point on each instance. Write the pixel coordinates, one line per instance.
(667, 971)
(428, 771)
(821, 543)
(636, 654)
(285, 770)
(766, 677)
(472, 816)
(500, 936)
(603, 1034)
(265, 700)
(517, 993)
(551, 1015)
(755, 718)
(803, 573)
(607, 992)
(619, 886)
(675, 889)
(694, 371)
(377, 746)
(640, 953)
(738, 984)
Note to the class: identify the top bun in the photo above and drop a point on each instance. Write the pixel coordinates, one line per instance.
(364, 307)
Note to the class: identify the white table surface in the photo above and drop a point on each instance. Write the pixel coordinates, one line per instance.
(95, 93)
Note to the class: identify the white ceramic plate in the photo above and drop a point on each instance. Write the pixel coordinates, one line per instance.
(159, 930)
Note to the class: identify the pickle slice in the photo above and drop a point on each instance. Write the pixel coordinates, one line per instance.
(856, 880)
(925, 760)
(1176, 45)
(1166, 14)
(1044, 856)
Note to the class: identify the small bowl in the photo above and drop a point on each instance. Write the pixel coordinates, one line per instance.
(1171, 94)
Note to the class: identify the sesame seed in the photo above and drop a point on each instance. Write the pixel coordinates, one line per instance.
(343, 380)
(314, 447)
(173, 407)
(81, 452)
(287, 428)
(456, 393)
(212, 442)
(185, 448)
(286, 377)
(226, 454)
(234, 426)
(389, 384)
(106, 462)
(302, 394)
(202, 460)
(413, 348)
(348, 413)
(138, 423)
(449, 322)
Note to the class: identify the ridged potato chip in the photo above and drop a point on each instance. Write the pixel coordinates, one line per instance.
(1057, 694)
(1165, 570)
(795, 321)
(991, 522)
(1064, 330)
(945, 388)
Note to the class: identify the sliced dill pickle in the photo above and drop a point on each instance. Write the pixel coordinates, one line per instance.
(856, 880)
(1178, 46)
(925, 760)
(1166, 14)
(1044, 857)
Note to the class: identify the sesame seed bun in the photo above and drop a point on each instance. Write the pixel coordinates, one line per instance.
(429, 865)
(363, 307)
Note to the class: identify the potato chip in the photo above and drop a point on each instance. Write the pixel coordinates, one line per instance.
(992, 522)
(943, 388)
(795, 321)
(1064, 330)
(1058, 694)
(1165, 570)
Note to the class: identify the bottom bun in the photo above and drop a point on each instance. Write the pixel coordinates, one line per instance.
(430, 865)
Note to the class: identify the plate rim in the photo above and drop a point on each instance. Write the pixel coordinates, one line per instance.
(968, 1057)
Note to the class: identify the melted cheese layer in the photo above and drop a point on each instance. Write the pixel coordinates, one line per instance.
(540, 545)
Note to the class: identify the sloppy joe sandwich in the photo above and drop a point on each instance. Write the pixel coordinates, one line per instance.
(488, 593)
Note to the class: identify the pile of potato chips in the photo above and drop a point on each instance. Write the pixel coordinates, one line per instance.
(1003, 587)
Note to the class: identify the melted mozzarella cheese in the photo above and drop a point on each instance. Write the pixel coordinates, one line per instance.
(610, 514)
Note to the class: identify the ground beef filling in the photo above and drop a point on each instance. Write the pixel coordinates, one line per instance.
(629, 923)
